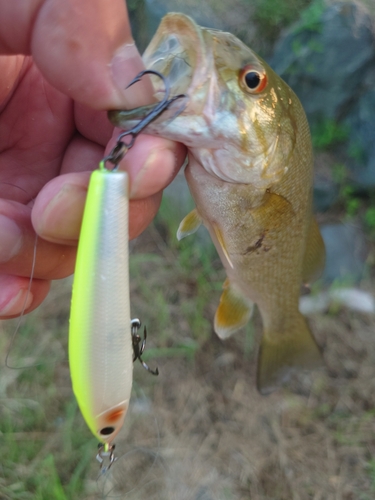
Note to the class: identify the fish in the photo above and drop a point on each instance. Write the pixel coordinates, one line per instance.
(250, 173)
(100, 336)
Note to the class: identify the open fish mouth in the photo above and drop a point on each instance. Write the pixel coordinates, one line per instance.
(177, 51)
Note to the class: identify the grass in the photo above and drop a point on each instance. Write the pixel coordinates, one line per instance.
(46, 447)
(201, 420)
(44, 443)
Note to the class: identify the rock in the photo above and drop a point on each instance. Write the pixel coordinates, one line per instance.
(328, 58)
(179, 197)
(351, 298)
(346, 250)
(326, 61)
(147, 14)
(361, 140)
(326, 190)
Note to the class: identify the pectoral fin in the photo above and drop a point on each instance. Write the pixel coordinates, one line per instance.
(275, 211)
(189, 224)
(314, 259)
(233, 313)
(282, 353)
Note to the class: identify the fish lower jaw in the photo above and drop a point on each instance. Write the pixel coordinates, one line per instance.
(229, 166)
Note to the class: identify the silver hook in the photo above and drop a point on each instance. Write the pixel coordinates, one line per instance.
(106, 451)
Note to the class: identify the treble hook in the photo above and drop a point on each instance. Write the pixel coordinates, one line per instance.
(155, 111)
(121, 148)
(139, 345)
(106, 452)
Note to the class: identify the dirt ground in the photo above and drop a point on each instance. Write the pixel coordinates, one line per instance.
(200, 430)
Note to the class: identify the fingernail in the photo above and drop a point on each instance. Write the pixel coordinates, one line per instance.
(125, 66)
(10, 238)
(15, 305)
(62, 216)
(146, 182)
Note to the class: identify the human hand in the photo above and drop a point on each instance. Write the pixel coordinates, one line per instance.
(64, 63)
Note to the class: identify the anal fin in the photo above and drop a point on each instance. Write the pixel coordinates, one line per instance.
(233, 312)
(189, 224)
(282, 353)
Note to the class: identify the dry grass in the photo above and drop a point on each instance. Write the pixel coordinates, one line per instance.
(199, 431)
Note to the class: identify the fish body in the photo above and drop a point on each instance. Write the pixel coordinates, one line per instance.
(100, 343)
(250, 172)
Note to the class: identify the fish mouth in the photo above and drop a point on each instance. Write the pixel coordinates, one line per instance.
(178, 51)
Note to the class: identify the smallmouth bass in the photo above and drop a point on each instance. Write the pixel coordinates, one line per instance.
(250, 172)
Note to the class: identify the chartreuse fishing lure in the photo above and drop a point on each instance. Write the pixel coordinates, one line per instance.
(100, 342)
(103, 341)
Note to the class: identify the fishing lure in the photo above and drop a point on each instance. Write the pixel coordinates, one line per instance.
(100, 346)
(103, 342)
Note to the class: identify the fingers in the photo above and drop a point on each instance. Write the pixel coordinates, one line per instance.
(17, 295)
(57, 212)
(84, 48)
(35, 128)
(152, 164)
(17, 245)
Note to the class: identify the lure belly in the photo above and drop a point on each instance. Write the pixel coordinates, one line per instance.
(100, 342)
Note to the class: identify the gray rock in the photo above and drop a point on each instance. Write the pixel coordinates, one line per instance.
(328, 58)
(361, 141)
(178, 197)
(238, 18)
(178, 194)
(203, 14)
(326, 62)
(326, 193)
(346, 252)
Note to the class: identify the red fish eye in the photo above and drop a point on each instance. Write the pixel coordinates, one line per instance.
(252, 80)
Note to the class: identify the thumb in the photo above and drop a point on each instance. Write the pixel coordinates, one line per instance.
(84, 48)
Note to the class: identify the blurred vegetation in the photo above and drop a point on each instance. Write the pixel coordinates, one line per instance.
(272, 16)
(328, 133)
(38, 414)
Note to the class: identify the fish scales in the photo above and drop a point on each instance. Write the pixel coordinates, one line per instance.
(250, 172)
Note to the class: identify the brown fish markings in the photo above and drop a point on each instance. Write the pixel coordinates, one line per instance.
(250, 173)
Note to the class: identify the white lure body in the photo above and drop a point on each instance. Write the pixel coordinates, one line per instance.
(100, 342)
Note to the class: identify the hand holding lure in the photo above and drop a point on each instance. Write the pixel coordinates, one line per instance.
(103, 342)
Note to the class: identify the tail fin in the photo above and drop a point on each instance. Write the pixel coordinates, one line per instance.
(281, 354)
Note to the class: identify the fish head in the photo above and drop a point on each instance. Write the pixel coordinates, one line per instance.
(239, 118)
